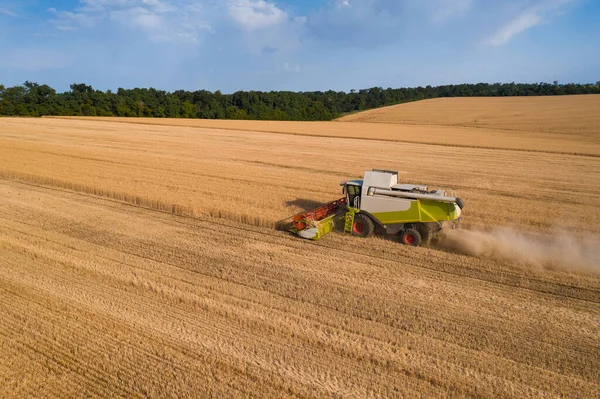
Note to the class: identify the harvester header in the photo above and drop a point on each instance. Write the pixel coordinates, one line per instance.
(378, 203)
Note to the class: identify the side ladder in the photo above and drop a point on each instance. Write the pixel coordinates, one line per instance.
(349, 220)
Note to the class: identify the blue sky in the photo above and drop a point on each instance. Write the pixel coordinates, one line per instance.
(231, 45)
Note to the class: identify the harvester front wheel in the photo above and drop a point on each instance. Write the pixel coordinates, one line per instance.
(363, 226)
(411, 237)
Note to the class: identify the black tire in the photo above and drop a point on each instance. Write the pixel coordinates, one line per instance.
(410, 237)
(424, 230)
(363, 226)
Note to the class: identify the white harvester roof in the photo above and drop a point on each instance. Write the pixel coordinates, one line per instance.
(380, 178)
(385, 179)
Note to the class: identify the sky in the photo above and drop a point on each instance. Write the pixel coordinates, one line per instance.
(232, 45)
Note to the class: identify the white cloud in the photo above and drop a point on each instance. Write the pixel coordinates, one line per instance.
(67, 20)
(264, 28)
(162, 20)
(139, 16)
(4, 11)
(149, 21)
(256, 14)
(526, 20)
(103, 5)
(529, 17)
(443, 10)
(260, 24)
(343, 3)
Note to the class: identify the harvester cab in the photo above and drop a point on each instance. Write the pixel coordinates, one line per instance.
(378, 203)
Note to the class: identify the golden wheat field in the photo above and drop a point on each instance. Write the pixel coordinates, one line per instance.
(575, 115)
(139, 258)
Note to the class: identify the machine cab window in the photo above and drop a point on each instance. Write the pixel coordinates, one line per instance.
(353, 193)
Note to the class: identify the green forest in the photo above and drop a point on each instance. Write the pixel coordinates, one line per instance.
(34, 100)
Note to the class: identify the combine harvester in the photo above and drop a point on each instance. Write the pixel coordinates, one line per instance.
(379, 203)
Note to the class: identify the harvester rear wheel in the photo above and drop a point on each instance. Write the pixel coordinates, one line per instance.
(363, 226)
(410, 237)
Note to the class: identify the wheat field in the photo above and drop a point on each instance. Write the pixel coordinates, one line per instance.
(140, 259)
(261, 178)
(575, 115)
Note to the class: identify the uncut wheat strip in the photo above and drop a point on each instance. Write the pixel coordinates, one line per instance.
(513, 156)
(120, 196)
(166, 164)
(215, 200)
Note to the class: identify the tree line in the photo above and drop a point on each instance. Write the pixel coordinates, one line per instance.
(32, 99)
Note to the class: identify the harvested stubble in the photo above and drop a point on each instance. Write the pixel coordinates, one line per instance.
(104, 299)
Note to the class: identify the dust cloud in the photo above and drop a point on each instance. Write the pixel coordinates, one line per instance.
(561, 250)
